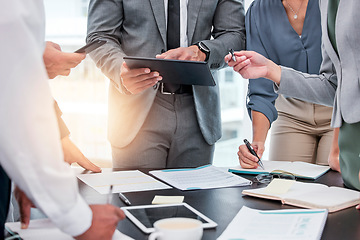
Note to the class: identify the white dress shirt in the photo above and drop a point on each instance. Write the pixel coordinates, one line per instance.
(30, 150)
(183, 21)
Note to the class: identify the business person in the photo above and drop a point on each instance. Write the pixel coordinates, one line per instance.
(30, 151)
(287, 32)
(153, 124)
(337, 84)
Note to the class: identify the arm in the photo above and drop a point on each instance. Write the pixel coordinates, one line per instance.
(313, 88)
(30, 150)
(109, 57)
(261, 96)
(71, 152)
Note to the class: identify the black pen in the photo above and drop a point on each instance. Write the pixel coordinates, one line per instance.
(124, 199)
(252, 151)
(231, 51)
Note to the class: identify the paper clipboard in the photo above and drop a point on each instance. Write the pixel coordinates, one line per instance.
(175, 71)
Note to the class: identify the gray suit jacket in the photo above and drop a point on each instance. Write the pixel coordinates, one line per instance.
(138, 28)
(339, 82)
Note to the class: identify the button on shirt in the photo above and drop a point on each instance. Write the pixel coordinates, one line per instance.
(30, 150)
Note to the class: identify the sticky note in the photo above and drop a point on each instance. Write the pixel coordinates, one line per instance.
(167, 199)
(279, 186)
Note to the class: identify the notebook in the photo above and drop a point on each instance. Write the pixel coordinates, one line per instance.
(299, 169)
(308, 195)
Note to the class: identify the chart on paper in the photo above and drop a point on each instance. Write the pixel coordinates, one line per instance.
(122, 181)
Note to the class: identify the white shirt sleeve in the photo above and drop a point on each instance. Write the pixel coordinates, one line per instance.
(30, 149)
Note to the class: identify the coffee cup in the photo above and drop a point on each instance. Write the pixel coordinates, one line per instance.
(177, 229)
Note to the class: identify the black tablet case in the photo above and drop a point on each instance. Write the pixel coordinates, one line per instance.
(175, 71)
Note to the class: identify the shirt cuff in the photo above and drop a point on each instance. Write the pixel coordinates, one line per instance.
(78, 220)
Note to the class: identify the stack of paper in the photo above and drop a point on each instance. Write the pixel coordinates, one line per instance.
(292, 224)
(204, 177)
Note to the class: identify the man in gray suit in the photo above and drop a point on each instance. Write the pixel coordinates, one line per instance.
(152, 124)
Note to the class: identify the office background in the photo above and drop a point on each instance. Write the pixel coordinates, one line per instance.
(82, 96)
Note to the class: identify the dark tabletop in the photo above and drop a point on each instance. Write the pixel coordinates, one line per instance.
(221, 205)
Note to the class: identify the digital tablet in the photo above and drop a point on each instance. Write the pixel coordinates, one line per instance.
(145, 216)
(175, 71)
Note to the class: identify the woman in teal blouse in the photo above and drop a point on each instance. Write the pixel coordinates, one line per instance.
(338, 83)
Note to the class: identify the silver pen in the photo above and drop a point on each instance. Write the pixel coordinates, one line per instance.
(231, 51)
(124, 199)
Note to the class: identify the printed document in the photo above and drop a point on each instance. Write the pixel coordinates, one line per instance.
(292, 224)
(204, 177)
(122, 181)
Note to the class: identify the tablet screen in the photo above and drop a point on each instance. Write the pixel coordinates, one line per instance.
(149, 214)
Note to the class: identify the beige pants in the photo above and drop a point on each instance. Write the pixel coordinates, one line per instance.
(302, 132)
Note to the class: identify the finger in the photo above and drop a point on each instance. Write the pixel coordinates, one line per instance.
(145, 85)
(25, 209)
(119, 213)
(358, 207)
(240, 66)
(88, 165)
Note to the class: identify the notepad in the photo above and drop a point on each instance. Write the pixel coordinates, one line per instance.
(295, 224)
(311, 195)
(204, 177)
(299, 169)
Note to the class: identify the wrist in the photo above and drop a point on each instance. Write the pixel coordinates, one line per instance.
(203, 49)
(274, 72)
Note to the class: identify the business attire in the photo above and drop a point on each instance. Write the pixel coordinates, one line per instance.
(302, 128)
(30, 150)
(338, 84)
(151, 129)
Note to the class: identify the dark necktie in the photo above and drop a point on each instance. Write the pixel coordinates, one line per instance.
(173, 33)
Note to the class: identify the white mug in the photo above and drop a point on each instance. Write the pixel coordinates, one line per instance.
(177, 229)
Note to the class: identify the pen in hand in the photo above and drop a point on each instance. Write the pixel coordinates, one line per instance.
(110, 194)
(231, 51)
(124, 199)
(252, 151)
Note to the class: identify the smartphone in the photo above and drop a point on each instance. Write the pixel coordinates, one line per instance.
(90, 46)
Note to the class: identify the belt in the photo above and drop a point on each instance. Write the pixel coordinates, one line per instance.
(181, 90)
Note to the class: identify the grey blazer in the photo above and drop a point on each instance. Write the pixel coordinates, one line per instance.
(339, 82)
(138, 28)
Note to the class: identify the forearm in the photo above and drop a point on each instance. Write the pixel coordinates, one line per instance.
(260, 125)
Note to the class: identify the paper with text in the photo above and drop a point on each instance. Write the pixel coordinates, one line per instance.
(204, 177)
(122, 181)
(295, 224)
